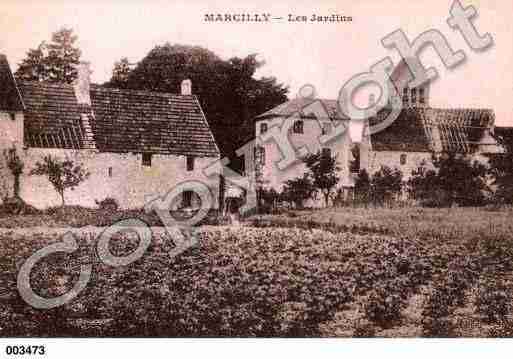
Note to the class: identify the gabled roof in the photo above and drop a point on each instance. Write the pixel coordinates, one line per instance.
(124, 120)
(52, 117)
(10, 99)
(143, 121)
(433, 129)
(297, 105)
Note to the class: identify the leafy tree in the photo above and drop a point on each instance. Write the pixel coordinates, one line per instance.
(323, 171)
(52, 61)
(33, 67)
(120, 73)
(354, 164)
(298, 190)
(501, 170)
(228, 91)
(362, 186)
(61, 174)
(267, 199)
(463, 181)
(454, 179)
(15, 165)
(424, 186)
(386, 184)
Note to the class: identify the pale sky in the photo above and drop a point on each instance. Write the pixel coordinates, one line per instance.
(325, 55)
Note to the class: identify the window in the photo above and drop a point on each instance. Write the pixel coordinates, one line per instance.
(421, 96)
(413, 95)
(298, 126)
(326, 152)
(146, 159)
(403, 159)
(187, 199)
(12, 116)
(326, 128)
(190, 163)
(110, 171)
(263, 127)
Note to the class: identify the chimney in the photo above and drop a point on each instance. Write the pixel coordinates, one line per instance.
(82, 84)
(186, 87)
(82, 88)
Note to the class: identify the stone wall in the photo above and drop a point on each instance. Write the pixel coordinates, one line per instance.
(118, 175)
(375, 159)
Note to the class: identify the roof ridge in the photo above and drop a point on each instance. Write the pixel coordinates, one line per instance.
(44, 84)
(97, 87)
(141, 92)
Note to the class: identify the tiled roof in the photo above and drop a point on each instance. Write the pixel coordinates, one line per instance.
(433, 129)
(406, 133)
(142, 121)
(124, 121)
(10, 99)
(459, 129)
(298, 104)
(51, 116)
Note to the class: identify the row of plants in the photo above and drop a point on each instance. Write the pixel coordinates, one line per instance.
(261, 282)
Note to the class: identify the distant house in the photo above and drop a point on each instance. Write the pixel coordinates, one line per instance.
(417, 133)
(421, 130)
(309, 119)
(136, 145)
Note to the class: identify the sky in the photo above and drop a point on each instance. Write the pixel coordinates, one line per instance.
(324, 55)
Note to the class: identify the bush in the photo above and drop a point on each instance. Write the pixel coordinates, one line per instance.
(109, 204)
(386, 185)
(297, 191)
(362, 187)
(493, 301)
(383, 306)
(455, 179)
(268, 199)
(16, 206)
(435, 315)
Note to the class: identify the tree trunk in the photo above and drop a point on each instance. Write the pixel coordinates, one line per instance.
(62, 199)
(17, 186)
(326, 199)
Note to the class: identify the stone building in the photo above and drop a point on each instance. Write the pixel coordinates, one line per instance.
(421, 131)
(136, 145)
(312, 125)
(408, 142)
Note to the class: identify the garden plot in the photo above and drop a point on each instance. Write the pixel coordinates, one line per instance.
(247, 281)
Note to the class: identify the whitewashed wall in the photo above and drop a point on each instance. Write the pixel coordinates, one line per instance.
(131, 183)
(274, 177)
(375, 159)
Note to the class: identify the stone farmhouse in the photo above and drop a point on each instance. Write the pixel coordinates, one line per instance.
(136, 145)
(417, 133)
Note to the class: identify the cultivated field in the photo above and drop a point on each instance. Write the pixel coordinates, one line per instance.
(358, 272)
